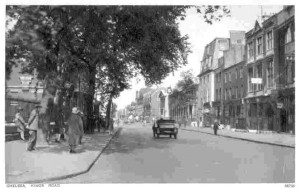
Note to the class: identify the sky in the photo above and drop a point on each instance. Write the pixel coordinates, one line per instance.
(200, 33)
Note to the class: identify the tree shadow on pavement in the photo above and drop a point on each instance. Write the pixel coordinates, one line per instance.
(94, 142)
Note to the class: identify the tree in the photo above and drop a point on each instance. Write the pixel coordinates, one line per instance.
(185, 91)
(119, 41)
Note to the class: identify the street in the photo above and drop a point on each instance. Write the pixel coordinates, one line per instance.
(136, 157)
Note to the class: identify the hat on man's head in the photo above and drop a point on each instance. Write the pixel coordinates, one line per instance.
(74, 110)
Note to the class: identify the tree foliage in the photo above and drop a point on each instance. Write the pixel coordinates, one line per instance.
(109, 45)
(185, 90)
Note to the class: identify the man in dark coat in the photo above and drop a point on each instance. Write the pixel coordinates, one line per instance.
(216, 126)
(75, 129)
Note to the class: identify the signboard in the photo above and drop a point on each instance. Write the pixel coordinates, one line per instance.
(256, 80)
(14, 103)
(14, 90)
(279, 105)
(26, 80)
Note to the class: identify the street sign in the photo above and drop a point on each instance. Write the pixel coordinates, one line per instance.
(256, 80)
(279, 105)
(14, 103)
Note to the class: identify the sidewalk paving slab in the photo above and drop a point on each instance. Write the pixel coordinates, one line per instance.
(284, 140)
(53, 162)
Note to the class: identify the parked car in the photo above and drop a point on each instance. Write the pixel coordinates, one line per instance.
(165, 127)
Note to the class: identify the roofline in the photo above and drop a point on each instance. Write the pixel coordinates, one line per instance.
(232, 66)
(216, 38)
(205, 72)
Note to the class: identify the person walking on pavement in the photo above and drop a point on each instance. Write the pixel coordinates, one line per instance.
(216, 126)
(33, 124)
(80, 113)
(74, 131)
(59, 127)
(20, 123)
(111, 126)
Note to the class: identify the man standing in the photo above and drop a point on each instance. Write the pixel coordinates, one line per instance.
(33, 124)
(216, 126)
(111, 126)
(75, 129)
(20, 123)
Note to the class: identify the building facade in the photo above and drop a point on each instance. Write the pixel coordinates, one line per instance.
(270, 73)
(156, 111)
(213, 51)
(234, 92)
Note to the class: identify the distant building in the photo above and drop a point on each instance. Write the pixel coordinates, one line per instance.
(21, 90)
(156, 110)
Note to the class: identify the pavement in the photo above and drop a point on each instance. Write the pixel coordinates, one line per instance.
(53, 161)
(278, 139)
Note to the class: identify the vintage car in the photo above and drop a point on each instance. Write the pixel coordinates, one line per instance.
(165, 127)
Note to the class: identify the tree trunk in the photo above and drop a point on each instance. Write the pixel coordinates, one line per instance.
(108, 110)
(90, 123)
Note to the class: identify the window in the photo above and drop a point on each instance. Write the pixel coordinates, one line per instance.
(216, 77)
(217, 94)
(220, 93)
(226, 90)
(269, 40)
(270, 76)
(238, 109)
(237, 92)
(229, 76)
(290, 71)
(259, 75)
(230, 94)
(288, 35)
(236, 73)
(250, 75)
(241, 73)
(225, 78)
(207, 78)
(250, 50)
(233, 93)
(259, 45)
(242, 91)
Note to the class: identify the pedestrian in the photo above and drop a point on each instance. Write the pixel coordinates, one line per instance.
(74, 131)
(33, 124)
(216, 126)
(20, 123)
(60, 127)
(111, 126)
(80, 113)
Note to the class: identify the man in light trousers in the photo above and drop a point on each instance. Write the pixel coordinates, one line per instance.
(33, 124)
